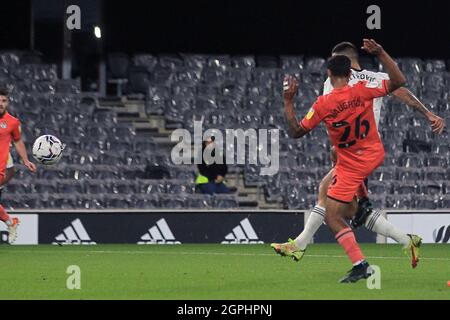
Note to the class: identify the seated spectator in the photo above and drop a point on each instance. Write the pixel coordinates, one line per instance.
(210, 179)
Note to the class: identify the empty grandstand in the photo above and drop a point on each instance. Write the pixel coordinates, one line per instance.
(118, 148)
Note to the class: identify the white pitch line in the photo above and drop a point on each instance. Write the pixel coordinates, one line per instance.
(214, 254)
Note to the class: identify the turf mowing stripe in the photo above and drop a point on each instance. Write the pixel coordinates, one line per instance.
(213, 254)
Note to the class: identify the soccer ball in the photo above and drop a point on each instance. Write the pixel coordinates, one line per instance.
(47, 149)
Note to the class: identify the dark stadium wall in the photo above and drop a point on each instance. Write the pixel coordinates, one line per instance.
(274, 27)
(408, 28)
(15, 25)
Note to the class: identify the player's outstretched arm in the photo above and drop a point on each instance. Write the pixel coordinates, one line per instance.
(397, 79)
(22, 151)
(407, 97)
(290, 87)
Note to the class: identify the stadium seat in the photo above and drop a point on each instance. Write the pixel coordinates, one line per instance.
(243, 62)
(264, 76)
(273, 189)
(104, 118)
(265, 61)
(436, 174)
(36, 72)
(316, 65)
(444, 202)
(432, 84)
(69, 186)
(404, 201)
(145, 60)
(200, 201)
(405, 188)
(428, 187)
(380, 187)
(195, 61)
(152, 187)
(120, 201)
(124, 186)
(9, 59)
(297, 196)
(409, 174)
(226, 92)
(437, 161)
(96, 187)
(118, 64)
(212, 77)
(71, 86)
(410, 65)
(66, 201)
(378, 201)
(410, 160)
(292, 63)
(177, 187)
(144, 202)
(233, 90)
(385, 173)
(444, 104)
(181, 90)
(18, 187)
(187, 77)
(172, 62)
(225, 201)
(31, 202)
(434, 65)
(427, 202)
(44, 186)
(174, 201)
(139, 80)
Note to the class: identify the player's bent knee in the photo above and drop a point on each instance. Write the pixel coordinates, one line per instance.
(332, 220)
(323, 189)
(352, 209)
(322, 198)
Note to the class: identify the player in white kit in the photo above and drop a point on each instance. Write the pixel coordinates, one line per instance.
(365, 215)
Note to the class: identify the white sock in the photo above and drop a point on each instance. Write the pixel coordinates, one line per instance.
(377, 223)
(358, 262)
(315, 219)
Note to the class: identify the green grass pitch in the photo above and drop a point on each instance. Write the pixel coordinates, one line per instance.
(216, 272)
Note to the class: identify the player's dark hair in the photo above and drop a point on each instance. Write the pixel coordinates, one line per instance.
(339, 66)
(346, 48)
(4, 92)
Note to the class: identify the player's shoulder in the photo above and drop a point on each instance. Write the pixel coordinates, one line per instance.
(369, 75)
(322, 98)
(323, 101)
(362, 84)
(359, 87)
(377, 74)
(11, 118)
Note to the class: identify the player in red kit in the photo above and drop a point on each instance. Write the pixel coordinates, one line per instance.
(347, 112)
(10, 132)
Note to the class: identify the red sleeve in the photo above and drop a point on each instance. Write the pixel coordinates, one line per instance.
(313, 117)
(15, 133)
(370, 90)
